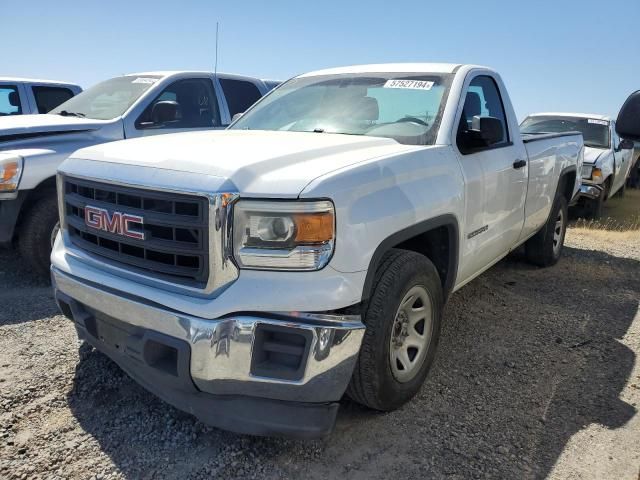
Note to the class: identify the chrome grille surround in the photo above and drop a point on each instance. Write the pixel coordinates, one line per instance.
(222, 270)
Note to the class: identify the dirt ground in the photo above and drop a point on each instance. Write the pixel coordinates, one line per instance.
(537, 376)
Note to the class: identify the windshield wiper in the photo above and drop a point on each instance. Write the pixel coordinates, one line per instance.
(64, 113)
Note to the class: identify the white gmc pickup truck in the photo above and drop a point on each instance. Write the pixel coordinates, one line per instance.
(253, 276)
(137, 105)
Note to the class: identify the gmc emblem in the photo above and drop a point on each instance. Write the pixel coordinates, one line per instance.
(118, 222)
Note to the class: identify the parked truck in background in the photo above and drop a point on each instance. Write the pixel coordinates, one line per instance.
(130, 106)
(24, 96)
(607, 158)
(252, 276)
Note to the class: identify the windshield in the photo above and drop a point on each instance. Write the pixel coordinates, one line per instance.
(108, 99)
(594, 131)
(406, 107)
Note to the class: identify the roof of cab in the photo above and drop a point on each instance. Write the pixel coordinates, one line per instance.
(389, 68)
(168, 73)
(595, 116)
(36, 80)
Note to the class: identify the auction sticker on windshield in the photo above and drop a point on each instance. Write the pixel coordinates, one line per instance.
(413, 84)
(145, 80)
(597, 122)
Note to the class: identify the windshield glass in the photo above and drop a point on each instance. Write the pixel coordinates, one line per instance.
(108, 99)
(406, 107)
(594, 131)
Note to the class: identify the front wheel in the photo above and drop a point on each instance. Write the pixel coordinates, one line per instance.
(595, 206)
(402, 321)
(545, 247)
(37, 233)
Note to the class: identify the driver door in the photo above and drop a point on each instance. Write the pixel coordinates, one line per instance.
(194, 106)
(496, 178)
(622, 160)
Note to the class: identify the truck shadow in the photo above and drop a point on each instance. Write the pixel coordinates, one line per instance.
(528, 357)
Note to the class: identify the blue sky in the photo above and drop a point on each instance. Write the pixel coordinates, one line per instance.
(563, 55)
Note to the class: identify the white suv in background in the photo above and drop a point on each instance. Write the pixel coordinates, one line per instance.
(22, 96)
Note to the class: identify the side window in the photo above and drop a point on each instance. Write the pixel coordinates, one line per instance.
(189, 103)
(48, 98)
(240, 94)
(10, 100)
(483, 123)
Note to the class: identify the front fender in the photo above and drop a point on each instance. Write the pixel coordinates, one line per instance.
(378, 199)
(606, 164)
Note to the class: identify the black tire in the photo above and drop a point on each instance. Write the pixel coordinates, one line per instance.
(373, 383)
(594, 207)
(545, 247)
(36, 233)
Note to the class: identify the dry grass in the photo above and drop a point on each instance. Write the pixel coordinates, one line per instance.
(619, 215)
(596, 234)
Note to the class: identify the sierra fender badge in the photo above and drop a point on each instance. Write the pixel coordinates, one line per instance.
(478, 232)
(118, 223)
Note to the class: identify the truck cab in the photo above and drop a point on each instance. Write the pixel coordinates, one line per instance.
(131, 106)
(24, 96)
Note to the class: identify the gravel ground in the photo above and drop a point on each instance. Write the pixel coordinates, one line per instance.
(537, 376)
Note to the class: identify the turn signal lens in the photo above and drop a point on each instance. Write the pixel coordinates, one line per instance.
(596, 173)
(314, 227)
(10, 170)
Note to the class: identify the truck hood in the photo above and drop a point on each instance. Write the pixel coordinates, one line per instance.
(592, 155)
(19, 127)
(255, 163)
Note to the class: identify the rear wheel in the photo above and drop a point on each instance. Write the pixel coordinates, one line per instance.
(403, 320)
(545, 247)
(38, 232)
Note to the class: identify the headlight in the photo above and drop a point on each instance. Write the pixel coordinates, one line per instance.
(10, 171)
(586, 171)
(286, 235)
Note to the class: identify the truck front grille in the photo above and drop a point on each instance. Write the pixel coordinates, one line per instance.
(174, 227)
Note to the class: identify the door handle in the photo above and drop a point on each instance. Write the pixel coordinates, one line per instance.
(519, 164)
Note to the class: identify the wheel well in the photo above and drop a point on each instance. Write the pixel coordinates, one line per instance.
(567, 182)
(607, 184)
(44, 188)
(435, 239)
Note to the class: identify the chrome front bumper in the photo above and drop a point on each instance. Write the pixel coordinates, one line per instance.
(590, 191)
(224, 352)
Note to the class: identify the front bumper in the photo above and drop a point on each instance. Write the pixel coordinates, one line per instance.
(591, 192)
(261, 374)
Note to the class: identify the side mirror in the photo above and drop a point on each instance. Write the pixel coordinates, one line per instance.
(236, 116)
(165, 111)
(625, 144)
(628, 123)
(488, 129)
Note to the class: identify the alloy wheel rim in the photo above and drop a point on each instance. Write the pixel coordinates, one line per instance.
(558, 232)
(411, 334)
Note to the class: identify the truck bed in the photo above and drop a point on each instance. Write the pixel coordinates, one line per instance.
(533, 137)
